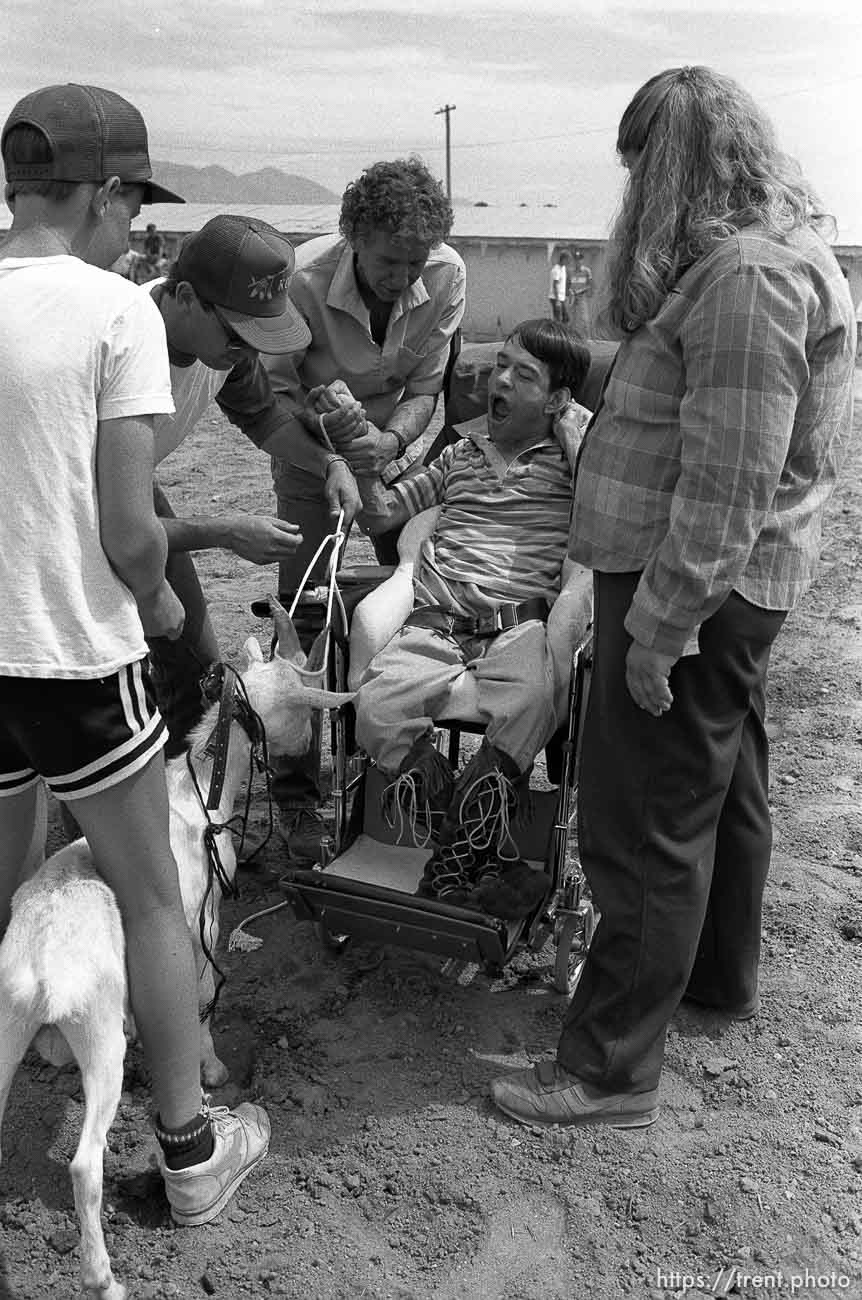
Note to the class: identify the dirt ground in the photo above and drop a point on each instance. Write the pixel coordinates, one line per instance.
(390, 1175)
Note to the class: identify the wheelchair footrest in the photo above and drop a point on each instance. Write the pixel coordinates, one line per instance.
(380, 915)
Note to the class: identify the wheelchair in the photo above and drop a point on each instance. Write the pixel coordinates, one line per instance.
(364, 887)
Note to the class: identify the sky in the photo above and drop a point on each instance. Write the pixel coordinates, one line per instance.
(538, 86)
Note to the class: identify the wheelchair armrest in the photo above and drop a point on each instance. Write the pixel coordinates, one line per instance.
(359, 575)
(570, 616)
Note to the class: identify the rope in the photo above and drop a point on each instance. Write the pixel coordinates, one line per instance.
(239, 941)
(338, 538)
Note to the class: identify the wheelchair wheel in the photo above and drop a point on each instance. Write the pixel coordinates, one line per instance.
(573, 940)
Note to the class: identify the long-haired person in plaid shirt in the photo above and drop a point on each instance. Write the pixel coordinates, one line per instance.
(698, 504)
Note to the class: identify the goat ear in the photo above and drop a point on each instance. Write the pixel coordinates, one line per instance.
(253, 652)
(317, 654)
(318, 699)
(287, 641)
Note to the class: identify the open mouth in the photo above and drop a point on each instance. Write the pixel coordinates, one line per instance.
(498, 409)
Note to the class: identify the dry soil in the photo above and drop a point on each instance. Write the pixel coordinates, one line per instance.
(391, 1176)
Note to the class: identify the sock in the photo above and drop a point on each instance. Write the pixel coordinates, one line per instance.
(192, 1144)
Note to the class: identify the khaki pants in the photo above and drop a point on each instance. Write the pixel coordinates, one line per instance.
(408, 684)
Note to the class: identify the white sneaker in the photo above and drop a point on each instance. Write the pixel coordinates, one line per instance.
(240, 1141)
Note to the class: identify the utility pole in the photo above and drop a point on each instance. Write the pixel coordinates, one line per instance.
(447, 109)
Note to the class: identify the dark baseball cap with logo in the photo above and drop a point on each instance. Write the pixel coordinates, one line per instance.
(243, 267)
(93, 134)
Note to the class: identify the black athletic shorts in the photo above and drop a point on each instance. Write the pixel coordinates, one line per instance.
(81, 736)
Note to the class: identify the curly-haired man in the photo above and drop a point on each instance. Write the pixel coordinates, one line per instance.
(382, 300)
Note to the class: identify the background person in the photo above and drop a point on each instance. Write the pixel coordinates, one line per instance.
(88, 350)
(578, 293)
(153, 253)
(558, 288)
(698, 504)
(382, 300)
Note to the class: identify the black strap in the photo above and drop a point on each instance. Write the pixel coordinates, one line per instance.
(504, 617)
(219, 742)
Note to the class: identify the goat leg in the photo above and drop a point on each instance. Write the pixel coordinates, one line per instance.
(100, 1046)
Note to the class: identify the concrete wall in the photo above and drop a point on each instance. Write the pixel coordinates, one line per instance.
(507, 281)
(507, 278)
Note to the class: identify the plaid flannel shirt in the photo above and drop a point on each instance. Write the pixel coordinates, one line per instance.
(721, 435)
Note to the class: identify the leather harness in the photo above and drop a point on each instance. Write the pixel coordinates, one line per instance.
(501, 619)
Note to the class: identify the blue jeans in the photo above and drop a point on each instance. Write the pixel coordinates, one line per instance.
(675, 839)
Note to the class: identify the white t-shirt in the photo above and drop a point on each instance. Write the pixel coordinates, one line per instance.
(77, 345)
(557, 288)
(193, 387)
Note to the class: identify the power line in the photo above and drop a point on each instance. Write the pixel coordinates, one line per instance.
(370, 148)
(365, 150)
(448, 110)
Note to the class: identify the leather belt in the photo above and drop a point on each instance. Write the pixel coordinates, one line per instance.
(499, 620)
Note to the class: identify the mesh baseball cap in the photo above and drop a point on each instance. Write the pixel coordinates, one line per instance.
(243, 266)
(93, 134)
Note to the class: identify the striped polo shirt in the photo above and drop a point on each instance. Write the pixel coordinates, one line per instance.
(503, 529)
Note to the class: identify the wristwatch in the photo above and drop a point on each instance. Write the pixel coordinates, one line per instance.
(403, 444)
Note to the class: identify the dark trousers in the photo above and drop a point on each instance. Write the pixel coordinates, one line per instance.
(675, 839)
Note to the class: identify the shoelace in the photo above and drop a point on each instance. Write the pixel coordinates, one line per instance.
(451, 870)
(485, 811)
(216, 1115)
(402, 809)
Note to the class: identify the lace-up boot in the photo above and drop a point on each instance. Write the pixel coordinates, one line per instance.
(416, 801)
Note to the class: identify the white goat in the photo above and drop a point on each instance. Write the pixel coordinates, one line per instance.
(62, 960)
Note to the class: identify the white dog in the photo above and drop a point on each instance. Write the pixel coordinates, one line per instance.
(62, 960)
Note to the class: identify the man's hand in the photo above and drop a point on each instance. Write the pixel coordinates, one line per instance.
(328, 397)
(369, 455)
(161, 613)
(647, 674)
(342, 493)
(334, 406)
(261, 538)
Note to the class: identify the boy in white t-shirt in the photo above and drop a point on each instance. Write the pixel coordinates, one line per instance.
(83, 373)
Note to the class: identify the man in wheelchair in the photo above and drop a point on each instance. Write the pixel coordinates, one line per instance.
(484, 582)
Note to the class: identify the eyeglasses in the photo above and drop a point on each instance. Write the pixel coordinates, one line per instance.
(235, 342)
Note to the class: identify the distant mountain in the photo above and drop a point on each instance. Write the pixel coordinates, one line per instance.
(217, 185)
